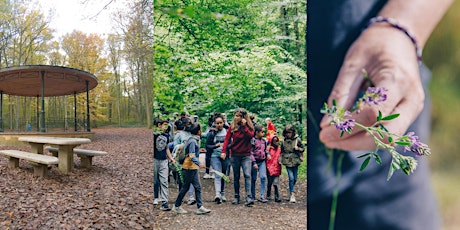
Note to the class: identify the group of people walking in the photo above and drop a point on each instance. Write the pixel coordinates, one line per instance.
(256, 151)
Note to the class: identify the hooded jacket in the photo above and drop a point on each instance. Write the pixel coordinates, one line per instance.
(289, 156)
(273, 166)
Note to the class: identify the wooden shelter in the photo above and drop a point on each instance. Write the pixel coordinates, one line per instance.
(45, 81)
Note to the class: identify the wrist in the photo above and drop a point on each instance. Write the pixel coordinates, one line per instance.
(393, 23)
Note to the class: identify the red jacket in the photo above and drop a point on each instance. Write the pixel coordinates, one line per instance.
(273, 167)
(241, 141)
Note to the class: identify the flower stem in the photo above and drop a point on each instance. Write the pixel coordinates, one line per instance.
(335, 194)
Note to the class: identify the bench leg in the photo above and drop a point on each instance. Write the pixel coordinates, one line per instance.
(40, 170)
(86, 161)
(13, 162)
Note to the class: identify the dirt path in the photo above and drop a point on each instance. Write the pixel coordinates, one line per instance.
(117, 194)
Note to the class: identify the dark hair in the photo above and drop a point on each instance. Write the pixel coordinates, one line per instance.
(289, 129)
(211, 120)
(179, 124)
(194, 128)
(159, 121)
(258, 128)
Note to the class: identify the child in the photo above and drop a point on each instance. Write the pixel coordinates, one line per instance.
(291, 157)
(161, 154)
(258, 155)
(180, 139)
(190, 172)
(214, 142)
(274, 167)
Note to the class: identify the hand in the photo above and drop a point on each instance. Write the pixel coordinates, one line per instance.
(222, 155)
(296, 147)
(202, 166)
(243, 121)
(392, 65)
(269, 157)
(255, 166)
(172, 161)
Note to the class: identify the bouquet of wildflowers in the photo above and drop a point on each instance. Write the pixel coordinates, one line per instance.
(383, 138)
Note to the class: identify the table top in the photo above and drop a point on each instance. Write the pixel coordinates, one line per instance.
(54, 140)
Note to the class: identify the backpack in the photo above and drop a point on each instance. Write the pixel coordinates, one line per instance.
(180, 151)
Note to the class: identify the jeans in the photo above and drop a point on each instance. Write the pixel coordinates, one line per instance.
(246, 164)
(191, 177)
(292, 175)
(219, 165)
(263, 179)
(190, 190)
(160, 176)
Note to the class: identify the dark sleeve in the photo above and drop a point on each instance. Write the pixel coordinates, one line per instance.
(210, 141)
(227, 140)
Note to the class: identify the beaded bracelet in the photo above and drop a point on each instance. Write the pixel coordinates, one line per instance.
(396, 25)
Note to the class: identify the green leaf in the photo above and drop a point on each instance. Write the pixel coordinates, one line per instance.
(377, 158)
(393, 168)
(380, 134)
(402, 143)
(341, 133)
(383, 127)
(366, 154)
(379, 117)
(365, 163)
(334, 102)
(226, 179)
(390, 139)
(390, 117)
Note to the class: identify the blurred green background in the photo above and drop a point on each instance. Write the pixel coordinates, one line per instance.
(442, 56)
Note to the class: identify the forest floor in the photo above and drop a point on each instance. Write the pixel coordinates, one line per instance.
(117, 193)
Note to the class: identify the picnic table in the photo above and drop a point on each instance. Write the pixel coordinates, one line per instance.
(65, 147)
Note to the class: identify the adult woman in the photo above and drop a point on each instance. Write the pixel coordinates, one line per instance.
(240, 133)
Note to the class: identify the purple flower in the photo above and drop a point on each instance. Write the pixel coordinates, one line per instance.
(345, 126)
(416, 146)
(375, 95)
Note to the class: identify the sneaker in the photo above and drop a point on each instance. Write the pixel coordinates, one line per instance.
(212, 176)
(249, 202)
(217, 199)
(263, 200)
(207, 176)
(236, 201)
(269, 198)
(179, 210)
(191, 202)
(165, 207)
(202, 210)
(277, 200)
(223, 198)
(292, 200)
(155, 202)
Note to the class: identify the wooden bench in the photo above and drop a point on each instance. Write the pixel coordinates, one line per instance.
(86, 155)
(38, 161)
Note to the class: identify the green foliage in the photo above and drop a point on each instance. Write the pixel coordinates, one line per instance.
(220, 55)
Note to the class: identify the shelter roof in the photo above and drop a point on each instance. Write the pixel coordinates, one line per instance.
(58, 80)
